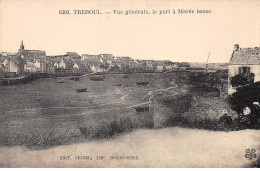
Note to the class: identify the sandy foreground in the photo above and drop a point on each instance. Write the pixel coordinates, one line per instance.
(168, 147)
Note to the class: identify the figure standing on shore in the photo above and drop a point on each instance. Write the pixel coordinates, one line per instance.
(255, 115)
(226, 120)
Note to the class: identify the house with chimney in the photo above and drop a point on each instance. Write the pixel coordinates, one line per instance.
(244, 63)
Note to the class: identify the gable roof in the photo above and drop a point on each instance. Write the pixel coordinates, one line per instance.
(249, 56)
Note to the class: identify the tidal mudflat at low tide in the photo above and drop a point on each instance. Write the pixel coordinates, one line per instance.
(48, 107)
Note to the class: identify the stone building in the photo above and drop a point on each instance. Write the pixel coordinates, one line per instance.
(31, 54)
(14, 64)
(245, 61)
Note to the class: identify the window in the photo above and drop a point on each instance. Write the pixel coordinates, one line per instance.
(244, 70)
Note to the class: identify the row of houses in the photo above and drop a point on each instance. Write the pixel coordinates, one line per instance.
(243, 61)
(31, 61)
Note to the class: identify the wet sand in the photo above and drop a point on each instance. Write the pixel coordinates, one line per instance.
(45, 105)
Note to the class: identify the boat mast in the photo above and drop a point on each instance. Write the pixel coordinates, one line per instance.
(207, 63)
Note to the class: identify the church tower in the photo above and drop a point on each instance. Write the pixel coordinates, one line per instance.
(22, 46)
(21, 50)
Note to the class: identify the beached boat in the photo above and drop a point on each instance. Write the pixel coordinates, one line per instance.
(74, 78)
(60, 80)
(142, 108)
(97, 78)
(81, 90)
(142, 83)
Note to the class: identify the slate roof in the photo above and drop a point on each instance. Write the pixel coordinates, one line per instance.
(250, 56)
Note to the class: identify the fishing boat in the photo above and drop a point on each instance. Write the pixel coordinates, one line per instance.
(97, 78)
(143, 80)
(60, 80)
(142, 108)
(81, 90)
(74, 78)
(142, 83)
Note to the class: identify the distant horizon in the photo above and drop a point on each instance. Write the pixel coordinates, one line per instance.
(111, 54)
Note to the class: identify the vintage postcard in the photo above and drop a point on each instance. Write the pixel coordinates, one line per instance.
(129, 84)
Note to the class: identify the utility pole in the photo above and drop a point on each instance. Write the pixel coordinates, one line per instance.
(207, 64)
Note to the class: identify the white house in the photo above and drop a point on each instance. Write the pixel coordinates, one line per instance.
(40, 65)
(56, 64)
(75, 66)
(62, 64)
(244, 61)
(93, 68)
(5, 62)
(29, 66)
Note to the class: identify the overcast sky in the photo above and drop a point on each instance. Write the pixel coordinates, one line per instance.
(187, 38)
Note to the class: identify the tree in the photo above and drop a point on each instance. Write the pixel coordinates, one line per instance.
(115, 68)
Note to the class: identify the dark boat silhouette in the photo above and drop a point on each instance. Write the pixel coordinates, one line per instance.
(97, 78)
(142, 82)
(81, 90)
(142, 108)
(74, 78)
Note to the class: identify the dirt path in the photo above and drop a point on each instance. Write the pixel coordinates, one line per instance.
(169, 147)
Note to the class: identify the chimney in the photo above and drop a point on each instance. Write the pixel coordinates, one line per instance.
(236, 47)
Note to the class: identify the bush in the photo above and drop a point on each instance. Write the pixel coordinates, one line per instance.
(242, 79)
(108, 129)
